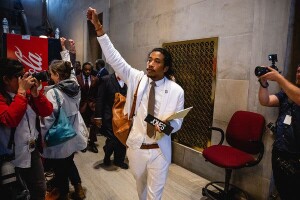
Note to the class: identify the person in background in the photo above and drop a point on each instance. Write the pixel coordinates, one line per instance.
(110, 85)
(286, 147)
(149, 150)
(100, 66)
(89, 86)
(77, 67)
(61, 156)
(20, 104)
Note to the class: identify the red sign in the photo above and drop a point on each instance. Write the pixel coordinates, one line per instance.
(31, 51)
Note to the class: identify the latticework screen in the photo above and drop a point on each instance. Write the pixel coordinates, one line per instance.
(194, 64)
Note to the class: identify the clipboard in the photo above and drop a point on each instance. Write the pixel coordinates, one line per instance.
(179, 114)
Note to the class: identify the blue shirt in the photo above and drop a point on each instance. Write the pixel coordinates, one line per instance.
(287, 136)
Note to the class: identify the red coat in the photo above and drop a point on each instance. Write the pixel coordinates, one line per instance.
(11, 115)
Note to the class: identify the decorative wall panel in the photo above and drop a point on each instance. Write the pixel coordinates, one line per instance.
(194, 64)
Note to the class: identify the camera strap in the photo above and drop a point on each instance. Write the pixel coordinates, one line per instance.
(11, 141)
(264, 86)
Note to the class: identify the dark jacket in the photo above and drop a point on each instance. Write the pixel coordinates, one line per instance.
(88, 97)
(105, 99)
(102, 72)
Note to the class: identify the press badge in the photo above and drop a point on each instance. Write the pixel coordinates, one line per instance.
(31, 145)
(287, 120)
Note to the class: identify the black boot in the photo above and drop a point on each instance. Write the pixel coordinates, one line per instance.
(92, 147)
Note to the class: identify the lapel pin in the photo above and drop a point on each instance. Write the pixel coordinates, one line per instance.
(166, 91)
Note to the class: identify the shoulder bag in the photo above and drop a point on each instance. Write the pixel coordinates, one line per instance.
(61, 130)
(120, 123)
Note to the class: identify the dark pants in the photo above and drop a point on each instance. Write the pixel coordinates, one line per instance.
(87, 116)
(34, 177)
(286, 172)
(64, 169)
(74, 176)
(113, 145)
(93, 133)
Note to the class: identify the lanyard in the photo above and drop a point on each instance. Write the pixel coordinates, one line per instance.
(27, 118)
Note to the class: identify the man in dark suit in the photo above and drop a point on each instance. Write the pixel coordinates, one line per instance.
(100, 66)
(110, 85)
(89, 86)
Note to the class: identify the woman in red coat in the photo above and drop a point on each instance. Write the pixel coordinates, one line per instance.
(20, 105)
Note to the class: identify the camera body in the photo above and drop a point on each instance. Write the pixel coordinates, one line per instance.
(259, 71)
(41, 76)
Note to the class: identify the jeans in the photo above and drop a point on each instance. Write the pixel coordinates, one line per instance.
(34, 177)
(286, 172)
(64, 168)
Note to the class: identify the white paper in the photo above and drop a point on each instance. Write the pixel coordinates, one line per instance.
(287, 120)
(179, 114)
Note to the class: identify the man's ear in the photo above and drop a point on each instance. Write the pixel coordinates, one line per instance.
(166, 69)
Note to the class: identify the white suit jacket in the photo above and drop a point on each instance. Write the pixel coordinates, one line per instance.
(173, 99)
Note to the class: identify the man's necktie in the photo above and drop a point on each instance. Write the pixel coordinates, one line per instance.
(151, 103)
(86, 83)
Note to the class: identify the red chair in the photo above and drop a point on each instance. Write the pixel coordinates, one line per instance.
(244, 135)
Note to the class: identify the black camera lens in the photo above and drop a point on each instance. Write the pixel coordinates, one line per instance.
(259, 71)
(41, 76)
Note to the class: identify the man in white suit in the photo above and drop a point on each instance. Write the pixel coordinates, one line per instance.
(149, 154)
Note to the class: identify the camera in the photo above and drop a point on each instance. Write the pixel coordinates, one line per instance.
(259, 71)
(41, 76)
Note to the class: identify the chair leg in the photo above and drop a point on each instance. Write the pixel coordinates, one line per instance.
(224, 190)
(215, 191)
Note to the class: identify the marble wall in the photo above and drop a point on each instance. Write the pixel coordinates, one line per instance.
(247, 30)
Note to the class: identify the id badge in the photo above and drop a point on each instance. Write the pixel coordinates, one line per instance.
(287, 120)
(31, 145)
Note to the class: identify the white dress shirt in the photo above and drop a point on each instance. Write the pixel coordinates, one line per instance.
(89, 79)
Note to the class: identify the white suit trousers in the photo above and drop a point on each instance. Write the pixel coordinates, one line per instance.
(150, 170)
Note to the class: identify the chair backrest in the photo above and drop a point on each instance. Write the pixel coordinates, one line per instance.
(245, 130)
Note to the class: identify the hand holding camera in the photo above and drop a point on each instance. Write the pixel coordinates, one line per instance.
(30, 81)
(34, 88)
(261, 70)
(267, 73)
(26, 81)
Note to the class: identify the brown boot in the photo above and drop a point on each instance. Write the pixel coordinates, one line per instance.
(79, 192)
(52, 195)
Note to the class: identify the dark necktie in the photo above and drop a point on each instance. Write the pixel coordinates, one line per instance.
(86, 83)
(151, 103)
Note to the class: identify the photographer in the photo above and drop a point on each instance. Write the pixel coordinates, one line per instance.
(20, 104)
(286, 147)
